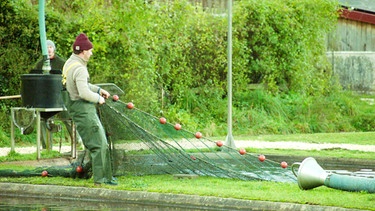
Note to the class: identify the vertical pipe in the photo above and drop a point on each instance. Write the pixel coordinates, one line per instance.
(229, 140)
(38, 135)
(43, 39)
(12, 142)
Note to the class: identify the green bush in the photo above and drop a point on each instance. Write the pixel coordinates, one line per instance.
(284, 43)
(170, 58)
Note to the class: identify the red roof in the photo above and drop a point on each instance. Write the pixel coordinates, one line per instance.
(358, 16)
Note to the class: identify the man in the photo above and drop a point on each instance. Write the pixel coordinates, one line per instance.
(57, 64)
(81, 103)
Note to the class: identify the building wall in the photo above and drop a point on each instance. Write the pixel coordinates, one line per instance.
(352, 36)
(354, 69)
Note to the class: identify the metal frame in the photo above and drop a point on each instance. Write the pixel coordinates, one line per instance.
(38, 118)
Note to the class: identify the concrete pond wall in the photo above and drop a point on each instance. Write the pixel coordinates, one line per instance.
(354, 69)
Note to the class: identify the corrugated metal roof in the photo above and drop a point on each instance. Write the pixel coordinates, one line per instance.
(368, 5)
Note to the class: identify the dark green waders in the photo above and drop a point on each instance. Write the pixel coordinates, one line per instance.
(89, 127)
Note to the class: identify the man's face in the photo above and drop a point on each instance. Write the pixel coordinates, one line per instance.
(51, 52)
(87, 54)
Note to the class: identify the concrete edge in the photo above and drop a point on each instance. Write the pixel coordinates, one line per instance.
(108, 195)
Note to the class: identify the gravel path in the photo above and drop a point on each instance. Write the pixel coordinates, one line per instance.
(28, 150)
(239, 144)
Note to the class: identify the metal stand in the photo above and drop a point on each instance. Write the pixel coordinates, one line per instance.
(73, 138)
(38, 135)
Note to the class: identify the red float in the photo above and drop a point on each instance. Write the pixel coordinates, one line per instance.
(115, 98)
(162, 120)
(79, 169)
(130, 105)
(198, 135)
(242, 151)
(261, 158)
(219, 143)
(177, 126)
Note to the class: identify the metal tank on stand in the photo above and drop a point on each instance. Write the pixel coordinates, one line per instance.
(41, 100)
(40, 94)
(42, 91)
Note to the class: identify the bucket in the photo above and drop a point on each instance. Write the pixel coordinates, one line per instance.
(41, 90)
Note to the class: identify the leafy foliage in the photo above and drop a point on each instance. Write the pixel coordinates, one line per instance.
(170, 58)
(285, 40)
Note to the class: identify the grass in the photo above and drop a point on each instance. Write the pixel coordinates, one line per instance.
(232, 188)
(225, 188)
(14, 156)
(362, 138)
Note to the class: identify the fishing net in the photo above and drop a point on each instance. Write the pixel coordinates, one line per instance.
(176, 150)
(143, 144)
(53, 171)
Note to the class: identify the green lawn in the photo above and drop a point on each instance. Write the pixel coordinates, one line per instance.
(248, 190)
(226, 188)
(367, 138)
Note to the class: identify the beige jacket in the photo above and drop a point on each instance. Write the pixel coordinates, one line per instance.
(76, 80)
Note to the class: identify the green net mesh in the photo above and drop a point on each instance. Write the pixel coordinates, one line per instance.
(53, 171)
(141, 144)
(177, 151)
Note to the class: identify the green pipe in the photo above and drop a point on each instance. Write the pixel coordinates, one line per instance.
(350, 183)
(311, 175)
(43, 38)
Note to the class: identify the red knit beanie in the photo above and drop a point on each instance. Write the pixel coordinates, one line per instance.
(82, 43)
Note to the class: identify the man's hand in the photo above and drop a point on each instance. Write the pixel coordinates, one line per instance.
(104, 93)
(101, 100)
